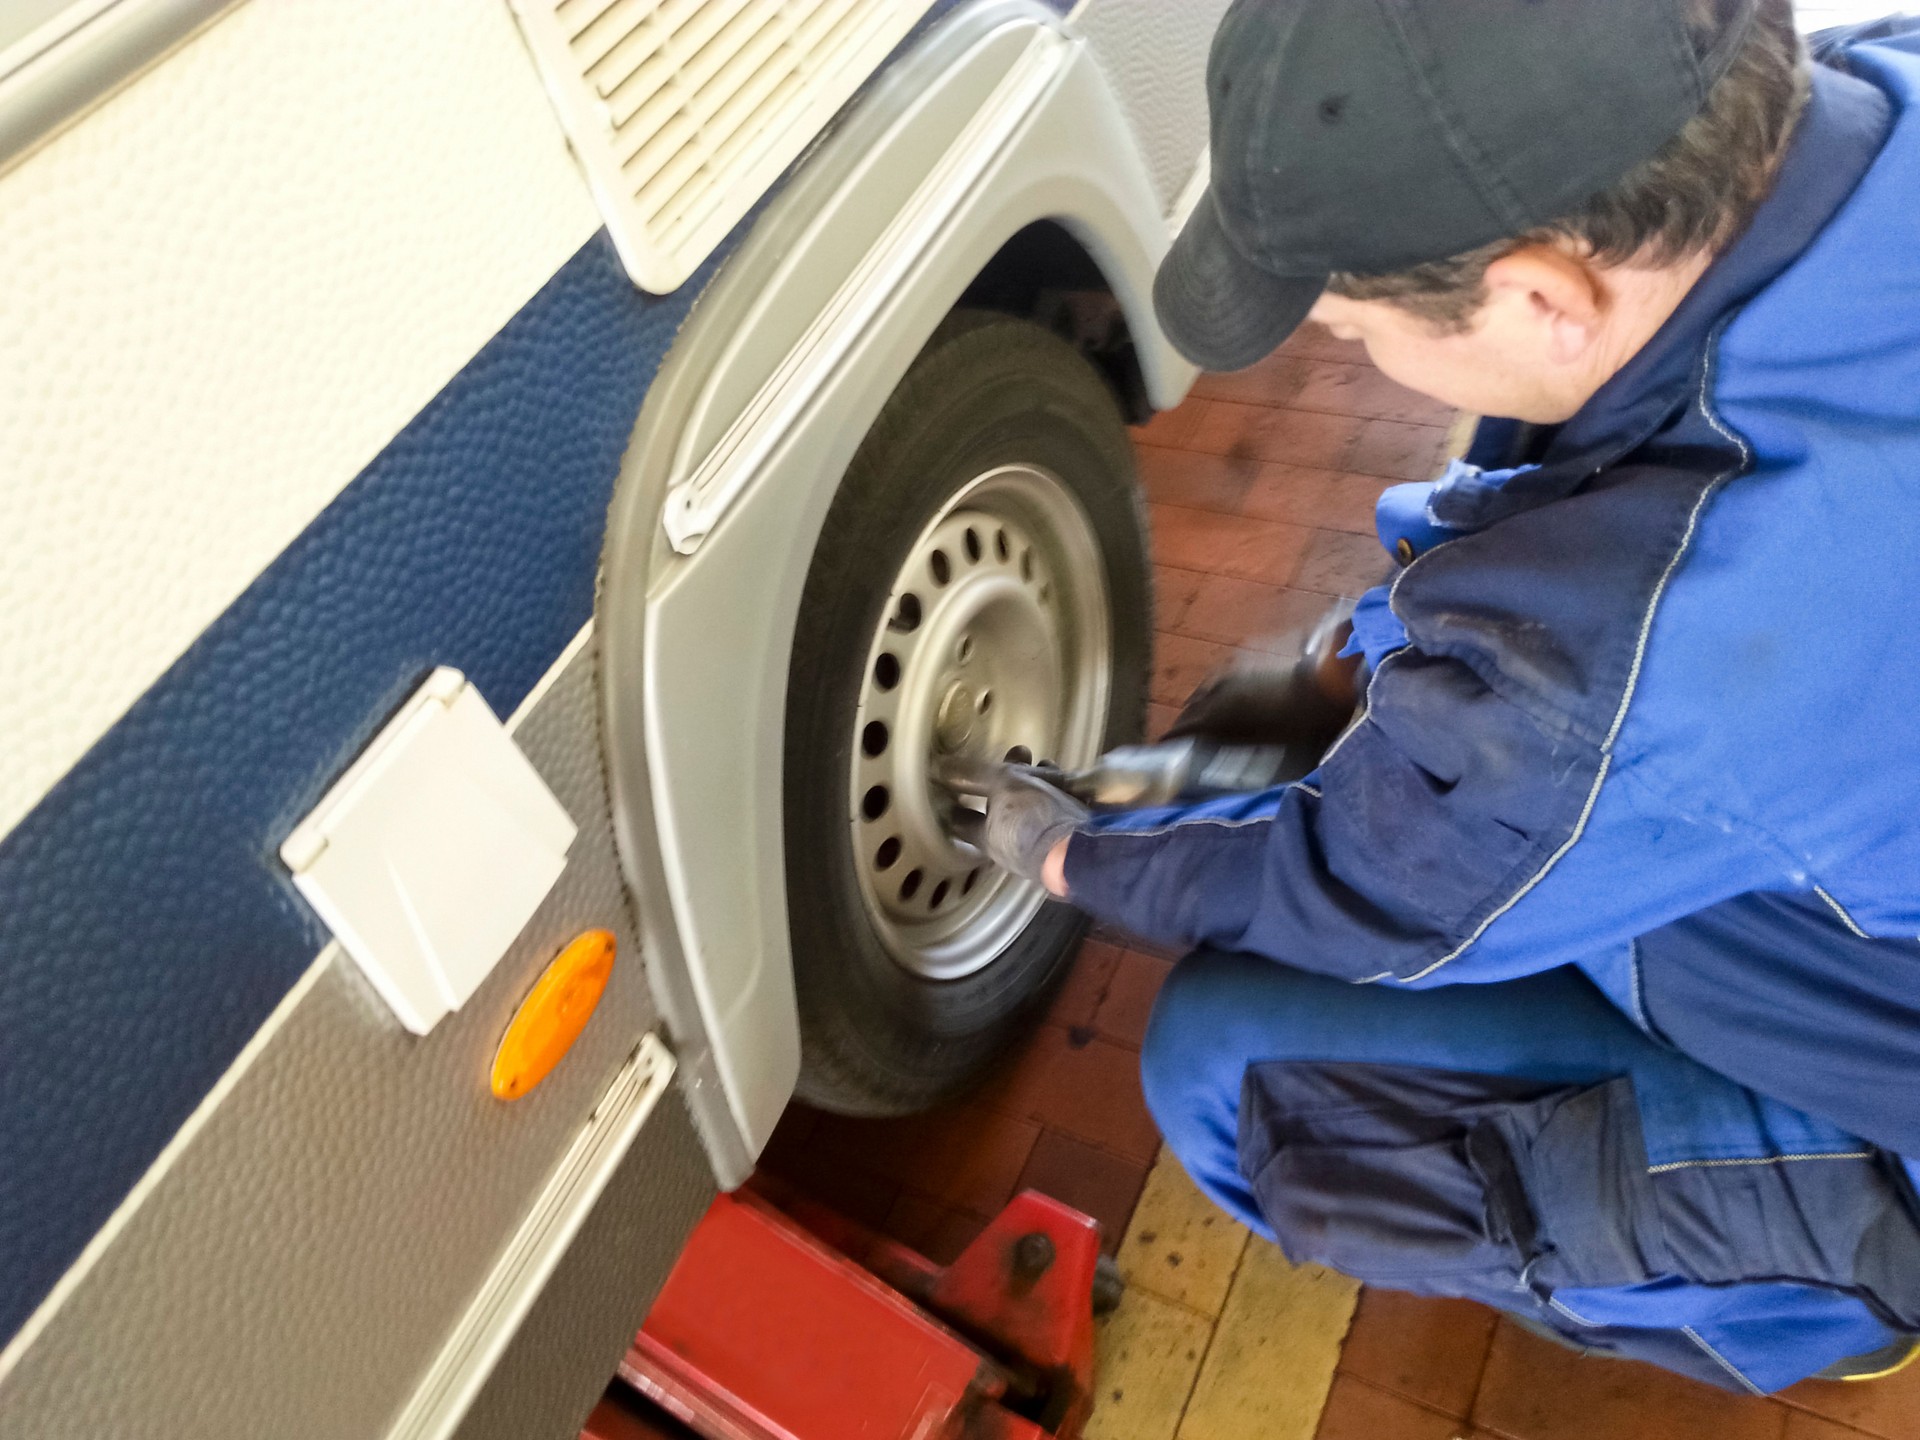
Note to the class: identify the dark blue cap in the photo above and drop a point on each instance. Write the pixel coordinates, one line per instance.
(1368, 136)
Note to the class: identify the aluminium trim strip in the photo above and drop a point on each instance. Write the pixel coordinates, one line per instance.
(577, 1182)
(696, 504)
(50, 34)
(56, 71)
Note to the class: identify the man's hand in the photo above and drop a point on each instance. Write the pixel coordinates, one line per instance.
(1053, 874)
(1027, 826)
(1304, 703)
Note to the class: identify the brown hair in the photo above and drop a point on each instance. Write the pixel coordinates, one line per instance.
(1697, 192)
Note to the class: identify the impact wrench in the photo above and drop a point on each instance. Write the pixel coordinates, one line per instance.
(1135, 777)
(1243, 732)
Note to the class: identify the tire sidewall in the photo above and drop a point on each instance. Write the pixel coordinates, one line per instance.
(985, 394)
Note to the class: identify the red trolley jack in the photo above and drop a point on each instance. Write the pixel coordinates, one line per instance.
(796, 1324)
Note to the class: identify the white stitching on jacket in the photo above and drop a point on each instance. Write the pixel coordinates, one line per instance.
(1724, 1363)
(1205, 821)
(1633, 675)
(1633, 980)
(1759, 1160)
(1841, 911)
(1167, 829)
(1571, 1313)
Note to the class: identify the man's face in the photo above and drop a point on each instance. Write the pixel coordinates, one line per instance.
(1499, 365)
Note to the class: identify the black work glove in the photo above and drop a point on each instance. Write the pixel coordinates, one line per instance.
(1303, 704)
(1026, 817)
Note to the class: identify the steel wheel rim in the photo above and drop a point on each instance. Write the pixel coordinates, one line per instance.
(995, 638)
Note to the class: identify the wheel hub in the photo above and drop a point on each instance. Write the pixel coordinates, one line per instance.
(953, 726)
(993, 643)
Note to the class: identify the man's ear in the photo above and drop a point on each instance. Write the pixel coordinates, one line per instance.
(1560, 293)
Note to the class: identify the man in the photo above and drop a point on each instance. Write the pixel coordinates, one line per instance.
(1581, 975)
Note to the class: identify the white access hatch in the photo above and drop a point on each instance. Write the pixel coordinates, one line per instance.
(432, 851)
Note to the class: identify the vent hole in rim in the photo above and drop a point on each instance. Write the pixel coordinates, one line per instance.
(966, 885)
(906, 614)
(939, 896)
(873, 739)
(886, 671)
(874, 803)
(910, 884)
(1019, 755)
(1000, 546)
(941, 567)
(889, 851)
(973, 545)
(1026, 564)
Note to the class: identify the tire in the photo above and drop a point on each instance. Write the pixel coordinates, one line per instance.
(996, 492)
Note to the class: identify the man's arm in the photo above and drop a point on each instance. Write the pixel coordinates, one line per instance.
(1451, 835)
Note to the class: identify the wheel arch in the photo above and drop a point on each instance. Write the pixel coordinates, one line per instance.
(1045, 273)
(784, 364)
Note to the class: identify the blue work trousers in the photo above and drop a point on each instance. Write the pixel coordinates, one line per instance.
(1437, 1141)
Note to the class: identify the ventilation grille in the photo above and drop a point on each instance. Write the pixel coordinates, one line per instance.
(683, 112)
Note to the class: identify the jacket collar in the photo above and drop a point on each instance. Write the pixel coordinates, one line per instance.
(1840, 132)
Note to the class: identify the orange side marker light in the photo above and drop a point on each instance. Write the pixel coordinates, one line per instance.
(554, 1013)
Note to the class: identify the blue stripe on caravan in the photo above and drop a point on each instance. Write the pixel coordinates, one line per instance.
(146, 925)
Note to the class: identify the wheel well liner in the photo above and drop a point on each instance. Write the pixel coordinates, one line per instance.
(1045, 274)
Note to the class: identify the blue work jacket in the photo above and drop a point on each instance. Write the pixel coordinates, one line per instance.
(1645, 702)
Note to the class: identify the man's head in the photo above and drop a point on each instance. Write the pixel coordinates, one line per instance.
(1633, 140)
